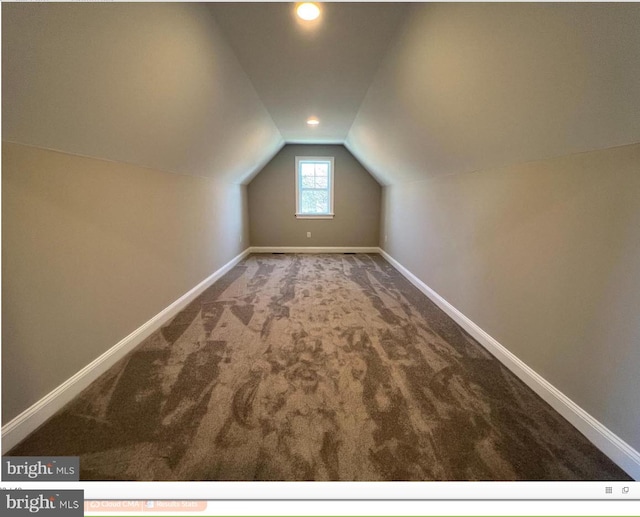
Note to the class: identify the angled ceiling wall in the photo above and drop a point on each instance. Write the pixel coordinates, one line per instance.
(472, 86)
(154, 85)
(463, 87)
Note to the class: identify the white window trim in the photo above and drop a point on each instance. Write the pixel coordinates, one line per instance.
(332, 175)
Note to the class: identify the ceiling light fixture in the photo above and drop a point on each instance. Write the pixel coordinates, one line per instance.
(308, 11)
(313, 122)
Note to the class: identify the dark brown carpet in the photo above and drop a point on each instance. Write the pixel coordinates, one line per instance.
(315, 367)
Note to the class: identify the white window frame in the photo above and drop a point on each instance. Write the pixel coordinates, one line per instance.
(331, 161)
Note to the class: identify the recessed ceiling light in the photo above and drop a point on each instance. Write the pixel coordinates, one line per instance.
(313, 121)
(308, 11)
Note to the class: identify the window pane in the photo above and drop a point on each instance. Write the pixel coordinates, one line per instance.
(322, 169)
(307, 169)
(315, 202)
(321, 182)
(307, 182)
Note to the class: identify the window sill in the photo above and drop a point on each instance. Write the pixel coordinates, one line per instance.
(312, 216)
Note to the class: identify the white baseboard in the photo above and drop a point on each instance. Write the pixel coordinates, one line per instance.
(313, 249)
(29, 420)
(625, 456)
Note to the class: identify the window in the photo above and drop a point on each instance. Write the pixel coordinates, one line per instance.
(314, 187)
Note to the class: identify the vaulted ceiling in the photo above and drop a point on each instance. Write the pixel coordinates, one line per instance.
(319, 68)
(413, 90)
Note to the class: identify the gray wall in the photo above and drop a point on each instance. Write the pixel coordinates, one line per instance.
(508, 135)
(272, 203)
(128, 130)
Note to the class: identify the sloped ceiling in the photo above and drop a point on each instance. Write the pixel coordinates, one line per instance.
(468, 87)
(151, 84)
(413, 90)
(301, 69)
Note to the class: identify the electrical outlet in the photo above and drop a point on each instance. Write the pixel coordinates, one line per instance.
(308, 235)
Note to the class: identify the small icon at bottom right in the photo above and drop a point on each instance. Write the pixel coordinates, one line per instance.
(625, 489)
